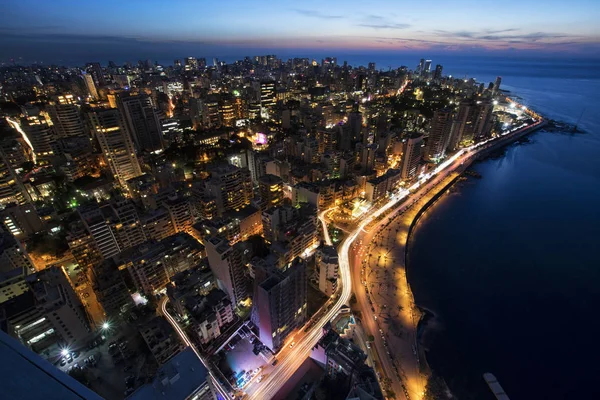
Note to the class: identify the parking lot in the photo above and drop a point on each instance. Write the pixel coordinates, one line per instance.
(113, 367)
(239, 362)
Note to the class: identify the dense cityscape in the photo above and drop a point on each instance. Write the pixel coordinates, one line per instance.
(213, 230)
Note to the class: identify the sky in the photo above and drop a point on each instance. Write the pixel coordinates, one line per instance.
(66, 30)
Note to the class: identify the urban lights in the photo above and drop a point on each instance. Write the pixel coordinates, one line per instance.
(105, 326)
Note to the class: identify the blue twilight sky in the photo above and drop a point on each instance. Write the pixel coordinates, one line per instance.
(51, 30)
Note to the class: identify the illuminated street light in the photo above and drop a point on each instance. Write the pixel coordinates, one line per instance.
(105, 326)
(64, 351)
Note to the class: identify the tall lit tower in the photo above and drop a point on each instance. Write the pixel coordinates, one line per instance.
(439, 135)
(497, 83)
(411, 156)
(268, 96)
(142, 120)
(39, 130)
(270, 189)
(90, 86)
(116, 143)
(66, 119)
(11, 188)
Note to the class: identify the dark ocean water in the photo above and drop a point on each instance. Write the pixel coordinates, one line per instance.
(510, 263)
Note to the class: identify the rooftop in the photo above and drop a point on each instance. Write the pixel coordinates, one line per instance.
(180, 378)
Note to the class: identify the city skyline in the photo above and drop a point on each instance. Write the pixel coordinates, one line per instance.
(67, 30)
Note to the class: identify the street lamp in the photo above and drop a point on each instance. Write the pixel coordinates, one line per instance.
(105, 326)
(64, 351)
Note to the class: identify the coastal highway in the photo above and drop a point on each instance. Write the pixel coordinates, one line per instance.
(390, 292)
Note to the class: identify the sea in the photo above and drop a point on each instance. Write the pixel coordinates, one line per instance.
(509, 263)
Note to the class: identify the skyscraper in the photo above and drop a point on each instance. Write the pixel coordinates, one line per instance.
(95, 70)
(226, 264)
(496, 88)
(427, 66)
(230, 186)
(142, 121)
(88, 80)
(280, 301)
(411, 156)
(11, 187)
(437, 74)
(116, 144)
(439, 135)
(421, 66)
(270, 189)
(38, 128)
(268, 98)
(66, 119)
(472, 122)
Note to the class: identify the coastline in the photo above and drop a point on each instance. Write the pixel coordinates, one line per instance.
(426, 315)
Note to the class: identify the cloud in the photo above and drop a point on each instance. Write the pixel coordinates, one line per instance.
(500, 35)
(381, 22)
(316, 14)
(386, 26)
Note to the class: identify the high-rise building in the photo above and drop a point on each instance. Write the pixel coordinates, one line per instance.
(427, 66)
(13, 254)
(110, 288)
(161, 339)
(152, 263)
(88, 80)
(209, 111)
(496, 88)
(355, 121)
(191, 64)
(227, 113)
(484, 119)
(116, 144)
(50, 313)
(230, 186)
(326, 260)
(95, 70)
(38, 128)
(270, 189)
(439, 135)
(98, 226)
(268, 98)
(66, 119)
(411, 156)
(22, 220)
(181, 213)
(367, 158)
(280, 300)
(438, 73)
(142, 121)
(11, 187)
(473, 121)
(421, 66)
(226, 264)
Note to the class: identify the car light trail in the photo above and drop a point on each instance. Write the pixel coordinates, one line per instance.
(18, 128)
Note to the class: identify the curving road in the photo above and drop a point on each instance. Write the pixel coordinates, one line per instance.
(227, 394)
